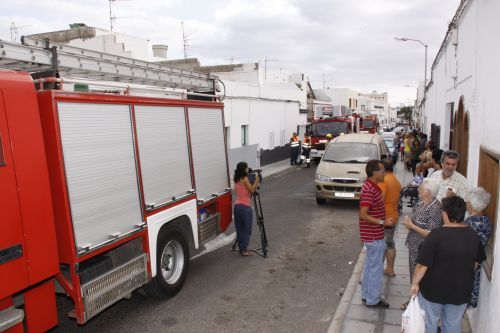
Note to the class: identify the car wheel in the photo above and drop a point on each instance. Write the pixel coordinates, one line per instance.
(172, 262)
(320, 201)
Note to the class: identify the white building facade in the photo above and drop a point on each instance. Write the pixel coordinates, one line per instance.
(378, 105)
(461, 111)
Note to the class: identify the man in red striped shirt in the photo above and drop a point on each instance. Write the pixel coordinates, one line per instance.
(371, 229)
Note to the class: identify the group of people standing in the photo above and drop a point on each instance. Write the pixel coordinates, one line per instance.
(445, 248)
(304, 149)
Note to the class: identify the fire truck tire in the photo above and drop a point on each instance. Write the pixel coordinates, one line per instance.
(320, 201)
(171, 265)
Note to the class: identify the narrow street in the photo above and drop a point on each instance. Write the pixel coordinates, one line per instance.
(312, 251)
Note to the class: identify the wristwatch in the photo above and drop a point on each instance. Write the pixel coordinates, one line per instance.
(381, 222)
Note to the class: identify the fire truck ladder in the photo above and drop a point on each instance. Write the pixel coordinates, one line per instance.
(42, 58)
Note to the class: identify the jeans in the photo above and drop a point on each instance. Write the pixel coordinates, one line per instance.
(450, 314)
(243, 224)
(371, 287)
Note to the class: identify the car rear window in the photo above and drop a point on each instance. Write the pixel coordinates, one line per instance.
(350, 152)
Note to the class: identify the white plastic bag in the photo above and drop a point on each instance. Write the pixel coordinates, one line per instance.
(413, 319)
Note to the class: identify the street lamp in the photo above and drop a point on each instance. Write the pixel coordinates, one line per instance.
(404, 39)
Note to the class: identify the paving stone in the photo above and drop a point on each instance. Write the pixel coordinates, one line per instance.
(392, 317)
(361, 312)
(354, 326)
(398, 290)
(391, 329)
(396, 301)
(400, 280)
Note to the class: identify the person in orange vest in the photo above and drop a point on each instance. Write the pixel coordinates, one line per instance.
(294, 148)
(306, 150)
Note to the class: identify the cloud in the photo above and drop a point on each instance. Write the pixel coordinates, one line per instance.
(351, 43)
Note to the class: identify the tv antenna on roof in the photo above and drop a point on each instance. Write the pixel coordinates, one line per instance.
(14, 31)
(113, 18)
(185, 40)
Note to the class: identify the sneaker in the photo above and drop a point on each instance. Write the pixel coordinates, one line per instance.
(380, 304)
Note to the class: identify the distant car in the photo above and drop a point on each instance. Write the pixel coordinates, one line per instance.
(398, 129)
(341, 172)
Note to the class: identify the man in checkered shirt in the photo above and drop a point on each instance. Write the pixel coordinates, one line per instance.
(452, 182)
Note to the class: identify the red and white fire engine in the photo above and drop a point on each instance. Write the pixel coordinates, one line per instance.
(369, 124)
(319, 130)
(101, 193)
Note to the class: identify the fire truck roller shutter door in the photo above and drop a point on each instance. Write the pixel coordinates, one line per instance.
(163, 152)
(209, 151)
(101, 174)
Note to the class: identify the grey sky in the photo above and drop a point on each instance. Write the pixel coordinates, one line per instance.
(350, 42)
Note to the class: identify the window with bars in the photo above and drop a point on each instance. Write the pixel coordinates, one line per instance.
(271, 140)
(244, 135)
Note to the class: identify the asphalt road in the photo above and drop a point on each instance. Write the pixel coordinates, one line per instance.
(312, 251)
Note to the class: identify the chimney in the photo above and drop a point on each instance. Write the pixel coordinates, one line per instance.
(160, 51)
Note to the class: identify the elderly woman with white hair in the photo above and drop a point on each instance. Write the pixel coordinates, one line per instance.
(425, 217)
(479, 200)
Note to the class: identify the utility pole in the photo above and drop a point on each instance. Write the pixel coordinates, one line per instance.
(185, 41)
(113, 18)
(324, 81)
(265, 66)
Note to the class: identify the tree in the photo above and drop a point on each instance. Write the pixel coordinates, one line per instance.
(405, 112)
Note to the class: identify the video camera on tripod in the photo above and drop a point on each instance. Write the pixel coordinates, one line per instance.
(253, 174)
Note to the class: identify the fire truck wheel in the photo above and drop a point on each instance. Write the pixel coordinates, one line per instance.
(171, 265)
(320, 201)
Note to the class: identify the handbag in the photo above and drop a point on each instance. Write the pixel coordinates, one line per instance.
(413, 319)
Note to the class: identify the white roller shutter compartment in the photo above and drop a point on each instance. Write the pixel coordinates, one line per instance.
(209, 151)
(163, 152)
(101, 172)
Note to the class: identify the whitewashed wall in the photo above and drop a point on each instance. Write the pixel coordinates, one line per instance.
(266, 109)
(475, 62)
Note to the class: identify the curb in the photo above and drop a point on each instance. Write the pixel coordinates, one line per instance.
(345, 302)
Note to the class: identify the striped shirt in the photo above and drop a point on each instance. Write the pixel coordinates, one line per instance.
(371, 197)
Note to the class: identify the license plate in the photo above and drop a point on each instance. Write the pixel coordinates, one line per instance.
(344, 195)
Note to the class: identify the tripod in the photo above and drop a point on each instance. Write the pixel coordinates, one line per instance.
(260, 222)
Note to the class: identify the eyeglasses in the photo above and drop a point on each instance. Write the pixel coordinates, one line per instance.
(382, 171)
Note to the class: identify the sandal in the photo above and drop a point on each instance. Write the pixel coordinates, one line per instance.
(246, 253)
(404, 305)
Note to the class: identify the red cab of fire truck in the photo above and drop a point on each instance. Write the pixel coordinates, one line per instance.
(319, 129)
(369, 124)
(101, 195)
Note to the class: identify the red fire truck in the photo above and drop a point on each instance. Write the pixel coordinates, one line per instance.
(369, 124)
(102, 194)
(319, 129)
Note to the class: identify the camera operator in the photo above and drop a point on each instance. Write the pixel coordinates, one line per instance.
(243, 189)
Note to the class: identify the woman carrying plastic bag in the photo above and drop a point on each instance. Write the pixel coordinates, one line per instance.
(413, 319)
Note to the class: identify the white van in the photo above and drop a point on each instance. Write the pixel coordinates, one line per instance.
(341, 172)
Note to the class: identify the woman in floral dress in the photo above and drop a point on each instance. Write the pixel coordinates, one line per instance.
(425, 217)
(480, 223)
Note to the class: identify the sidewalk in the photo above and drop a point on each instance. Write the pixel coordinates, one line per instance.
(270, 169)
(352, 316)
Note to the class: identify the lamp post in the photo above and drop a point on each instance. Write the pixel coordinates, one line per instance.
(404, 39)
